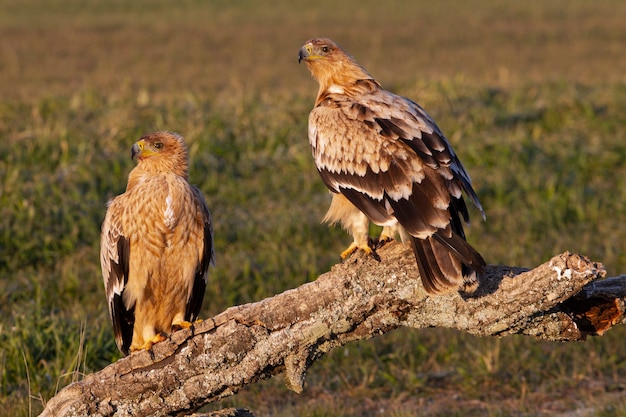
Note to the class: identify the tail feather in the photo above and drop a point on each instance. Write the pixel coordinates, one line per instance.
(461, 250)
(446, 263)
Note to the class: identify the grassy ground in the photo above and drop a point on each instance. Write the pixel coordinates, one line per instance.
(531, 94)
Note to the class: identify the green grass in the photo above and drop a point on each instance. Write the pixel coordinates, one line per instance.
(532, 95)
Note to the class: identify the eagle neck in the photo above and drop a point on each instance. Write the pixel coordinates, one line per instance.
(150, 168)
(356, 88)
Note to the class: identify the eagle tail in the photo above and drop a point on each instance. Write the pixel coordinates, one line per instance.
(447, 263)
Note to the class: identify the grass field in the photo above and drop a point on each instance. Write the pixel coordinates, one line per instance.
(531, 94)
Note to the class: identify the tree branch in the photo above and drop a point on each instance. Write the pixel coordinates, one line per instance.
(358, 299)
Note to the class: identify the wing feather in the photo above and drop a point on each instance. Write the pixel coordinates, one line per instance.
(389, 158)
(378, 158)
(207, 258)
(114, 261)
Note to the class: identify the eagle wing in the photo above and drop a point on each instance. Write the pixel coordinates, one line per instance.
(207, 257)
(388, 155)
(114, 261)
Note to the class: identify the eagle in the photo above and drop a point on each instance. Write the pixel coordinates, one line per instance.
(156, 246)
(382, 154)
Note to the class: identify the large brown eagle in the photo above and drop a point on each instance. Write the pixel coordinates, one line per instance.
(383, 154)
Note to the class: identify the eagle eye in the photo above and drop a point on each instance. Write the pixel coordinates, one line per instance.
(158, 145)
(325, 49)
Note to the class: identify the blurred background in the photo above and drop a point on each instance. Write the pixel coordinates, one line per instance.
(531, 94)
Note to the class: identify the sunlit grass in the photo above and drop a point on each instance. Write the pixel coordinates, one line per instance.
(549, 182)
(543, 194)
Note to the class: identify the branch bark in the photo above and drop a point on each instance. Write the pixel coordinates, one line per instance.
(358, 299)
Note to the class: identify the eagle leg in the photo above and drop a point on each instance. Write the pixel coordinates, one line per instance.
(387, 234)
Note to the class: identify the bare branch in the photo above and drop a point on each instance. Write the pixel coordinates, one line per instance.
(358, 299)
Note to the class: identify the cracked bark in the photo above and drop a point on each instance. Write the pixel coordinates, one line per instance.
(561, 300)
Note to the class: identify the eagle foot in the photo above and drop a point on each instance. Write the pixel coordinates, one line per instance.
(367, 248)
(149, 343)
(380, 242)
(182, 325)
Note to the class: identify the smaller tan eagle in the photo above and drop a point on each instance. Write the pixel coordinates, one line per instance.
(384, 155)
(156, 246)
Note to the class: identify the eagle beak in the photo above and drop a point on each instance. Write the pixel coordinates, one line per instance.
(137, 149)
(305, 52)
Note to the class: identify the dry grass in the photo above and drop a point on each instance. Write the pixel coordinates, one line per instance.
(56, 47)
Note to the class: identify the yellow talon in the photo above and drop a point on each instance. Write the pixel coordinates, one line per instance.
(149, 343)
(348, 251)
(382, 241)
(181, 325)
(352, 248)
(365, 248)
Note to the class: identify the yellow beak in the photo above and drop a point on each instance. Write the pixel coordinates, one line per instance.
(306, 53)
(137, 149)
